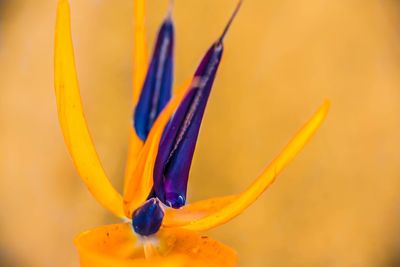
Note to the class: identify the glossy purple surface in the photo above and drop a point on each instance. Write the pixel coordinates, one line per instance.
(147, 219)
(157, 87)
(180, 136)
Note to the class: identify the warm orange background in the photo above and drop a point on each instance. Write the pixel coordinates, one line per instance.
(338, 203)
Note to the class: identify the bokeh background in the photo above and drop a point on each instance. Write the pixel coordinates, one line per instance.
(337, 204)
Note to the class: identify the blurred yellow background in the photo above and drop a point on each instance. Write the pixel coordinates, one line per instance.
(337, 204)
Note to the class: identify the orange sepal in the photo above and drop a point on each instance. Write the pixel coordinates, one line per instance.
(195, 211)
(117, 246)
(72, 120)
(139, 73)
(210, 213)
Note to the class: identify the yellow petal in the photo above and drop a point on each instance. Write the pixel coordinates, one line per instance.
(134, 148)
(72, 120)
(118, 246)
(207, 214)
(140, 66)
(140, 183)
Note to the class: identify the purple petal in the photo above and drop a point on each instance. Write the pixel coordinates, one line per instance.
(157, 87)
(147, 219)
(179, 138)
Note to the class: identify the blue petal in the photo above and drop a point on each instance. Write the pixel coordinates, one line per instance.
(157, 87)
(147, 219)
(179, 138)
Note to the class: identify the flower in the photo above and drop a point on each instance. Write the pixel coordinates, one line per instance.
(161, 229)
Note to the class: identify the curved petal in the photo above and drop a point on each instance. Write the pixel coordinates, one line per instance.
(139, 185)
(72, 120)
(174, 159)
(117, 246)
(157, 87)
(139, 73)
(177, 147)
(207, 214)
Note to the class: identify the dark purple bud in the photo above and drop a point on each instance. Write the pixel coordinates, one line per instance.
(147, 219)
(179, 139)
(157, 87)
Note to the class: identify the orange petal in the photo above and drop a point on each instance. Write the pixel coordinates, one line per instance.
(207, 214)
(195, 211)
(134, 148)
(139, 185)
(118, 246)
(140, 65)
(72, 120)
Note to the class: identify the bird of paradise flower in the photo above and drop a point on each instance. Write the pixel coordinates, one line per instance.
(162, 230)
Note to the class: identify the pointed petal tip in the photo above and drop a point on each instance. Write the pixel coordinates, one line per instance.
(326, 104)
(170, 9)
(323, 111)
(63, 2)
(230, 21)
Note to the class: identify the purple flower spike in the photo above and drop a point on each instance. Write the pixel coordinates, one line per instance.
(179, 140)
(157, 87)
(180, 136)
